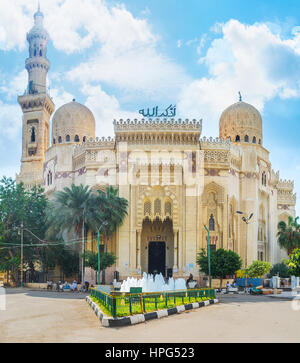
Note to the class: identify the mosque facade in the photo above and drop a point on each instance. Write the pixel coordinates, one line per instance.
(174, 180)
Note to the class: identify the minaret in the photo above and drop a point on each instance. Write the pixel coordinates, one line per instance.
(37, 106)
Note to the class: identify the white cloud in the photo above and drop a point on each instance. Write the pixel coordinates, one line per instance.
(60, 96)
(118, 48)
(250, 59)
(10, 121)
(105, 108)
(14, 19)
(73, 25)
(14, 85)
(138, 70)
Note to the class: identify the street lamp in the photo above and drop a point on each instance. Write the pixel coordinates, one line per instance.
(246, 220)
(99, 229)
(22, 252)
(208, 255)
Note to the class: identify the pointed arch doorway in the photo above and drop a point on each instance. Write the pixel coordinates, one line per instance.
(157, 257)
(157, 247)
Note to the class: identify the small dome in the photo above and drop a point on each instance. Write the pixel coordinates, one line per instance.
(72, 122)
(241, 122)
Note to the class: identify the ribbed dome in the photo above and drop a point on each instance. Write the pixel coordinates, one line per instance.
(241, 122)
(72, 122)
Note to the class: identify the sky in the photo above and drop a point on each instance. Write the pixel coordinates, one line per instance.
(118, 57)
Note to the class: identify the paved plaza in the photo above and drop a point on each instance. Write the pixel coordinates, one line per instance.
(41, 316)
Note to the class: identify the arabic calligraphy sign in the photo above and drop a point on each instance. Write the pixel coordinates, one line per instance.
(168, 112)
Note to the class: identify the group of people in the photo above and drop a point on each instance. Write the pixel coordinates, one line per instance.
(67, 287)
(229, 286)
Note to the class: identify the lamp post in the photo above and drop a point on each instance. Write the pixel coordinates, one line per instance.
(246, 220)
(22, 253)
(99, 229)
(82, 249)
(208, 255)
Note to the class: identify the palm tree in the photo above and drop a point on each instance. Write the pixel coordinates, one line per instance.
(289, 234)
(76, 209)
(113, 210)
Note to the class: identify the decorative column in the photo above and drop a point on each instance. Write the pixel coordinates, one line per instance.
(180, 250)
(138, 249)
(175, 232)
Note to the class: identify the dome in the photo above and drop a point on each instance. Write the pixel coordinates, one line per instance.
(38, 30)
(241, 122)
(72, 122)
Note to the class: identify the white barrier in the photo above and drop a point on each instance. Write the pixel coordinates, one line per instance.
(2, 299)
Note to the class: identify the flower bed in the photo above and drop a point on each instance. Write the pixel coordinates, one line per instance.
(130, 304)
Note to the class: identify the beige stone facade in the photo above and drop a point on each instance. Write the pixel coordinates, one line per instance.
(175, 181)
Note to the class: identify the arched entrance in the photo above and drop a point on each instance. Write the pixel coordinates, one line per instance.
(157, 246)
(157, 257)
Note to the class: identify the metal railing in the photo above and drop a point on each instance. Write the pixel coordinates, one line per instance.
(124, 304)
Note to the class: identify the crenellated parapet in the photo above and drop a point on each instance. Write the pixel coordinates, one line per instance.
(214, 143)
(285, 185)
(220, 151)
(97, 143)
(157, 125)
(274, 178)
(285, 195)
(158, 131)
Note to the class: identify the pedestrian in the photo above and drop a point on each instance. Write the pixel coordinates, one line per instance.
(74, 285)
(49, 285)
(228, 286)
(190, 279)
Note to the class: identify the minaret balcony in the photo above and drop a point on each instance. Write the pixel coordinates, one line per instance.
(37, 62)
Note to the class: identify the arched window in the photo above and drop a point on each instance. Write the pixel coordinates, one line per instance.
(41, 53)
(54, 141)
(254, 140)
(259, 141)
(68, 138)
(49, 178)
(168, 208)
(237, 139)
(264, 178)
(32, 134)
(211, 223)
(76, 138)
(59, 140)
(147, 208)
(84, 139)
(157, 206)
(246, 138)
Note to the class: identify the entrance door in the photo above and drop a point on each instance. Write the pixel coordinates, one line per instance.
(157, 257)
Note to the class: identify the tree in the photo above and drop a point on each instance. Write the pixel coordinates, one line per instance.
(107, 259)
(258, 268)
(113, 210)
(293, 262)
(289, 234)
(19, 206)
(74, 208)
(79, 208)
(281, 269)
(222, 262)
